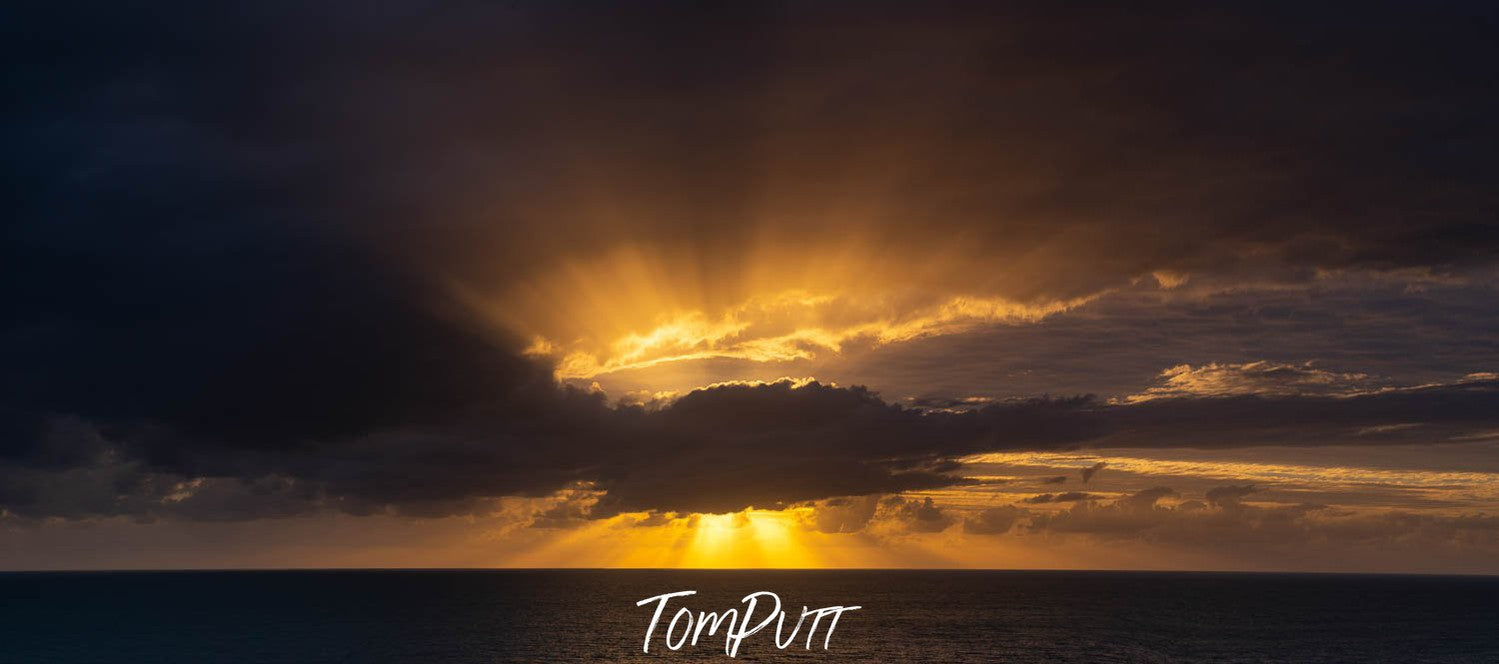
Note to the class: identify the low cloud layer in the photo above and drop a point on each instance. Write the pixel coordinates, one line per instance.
(1216, 522)
(1225, 521)
(720, 449)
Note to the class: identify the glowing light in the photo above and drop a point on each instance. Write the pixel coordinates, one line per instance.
(788, 300)
(792, 325)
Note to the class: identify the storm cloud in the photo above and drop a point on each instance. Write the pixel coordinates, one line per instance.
(243, 249)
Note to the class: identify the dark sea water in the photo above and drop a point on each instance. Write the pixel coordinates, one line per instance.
(590, 616)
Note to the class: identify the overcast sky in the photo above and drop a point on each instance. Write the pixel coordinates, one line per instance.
(829, 284)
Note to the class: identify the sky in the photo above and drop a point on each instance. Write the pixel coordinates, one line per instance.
(460, 284)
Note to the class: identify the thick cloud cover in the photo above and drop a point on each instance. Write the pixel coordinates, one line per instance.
(716, 450)
(231, 237)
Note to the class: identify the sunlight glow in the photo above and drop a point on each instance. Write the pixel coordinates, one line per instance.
(641, 307)
(792, 325)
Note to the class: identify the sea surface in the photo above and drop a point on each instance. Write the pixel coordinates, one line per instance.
(436, 617)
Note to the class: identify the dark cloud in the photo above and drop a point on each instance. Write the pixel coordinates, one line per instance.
(1090, 471)
(572, 513)
(1145, 500)
(1066, 497)
(993, 521)
(716, 450)
(1119, 346)
(470, 136)
(1058, 479)
(233, 238)
(1440, 410)
(653, 519)
(1228, 497)
(843, 515)
(919, 516)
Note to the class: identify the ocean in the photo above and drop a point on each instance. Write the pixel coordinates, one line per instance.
(471, 616)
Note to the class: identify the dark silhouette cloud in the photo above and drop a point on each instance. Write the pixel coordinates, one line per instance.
(1228, 497)
(1066, 497)
(715, 450)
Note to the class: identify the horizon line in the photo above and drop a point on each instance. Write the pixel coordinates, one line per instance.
(189, 570)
